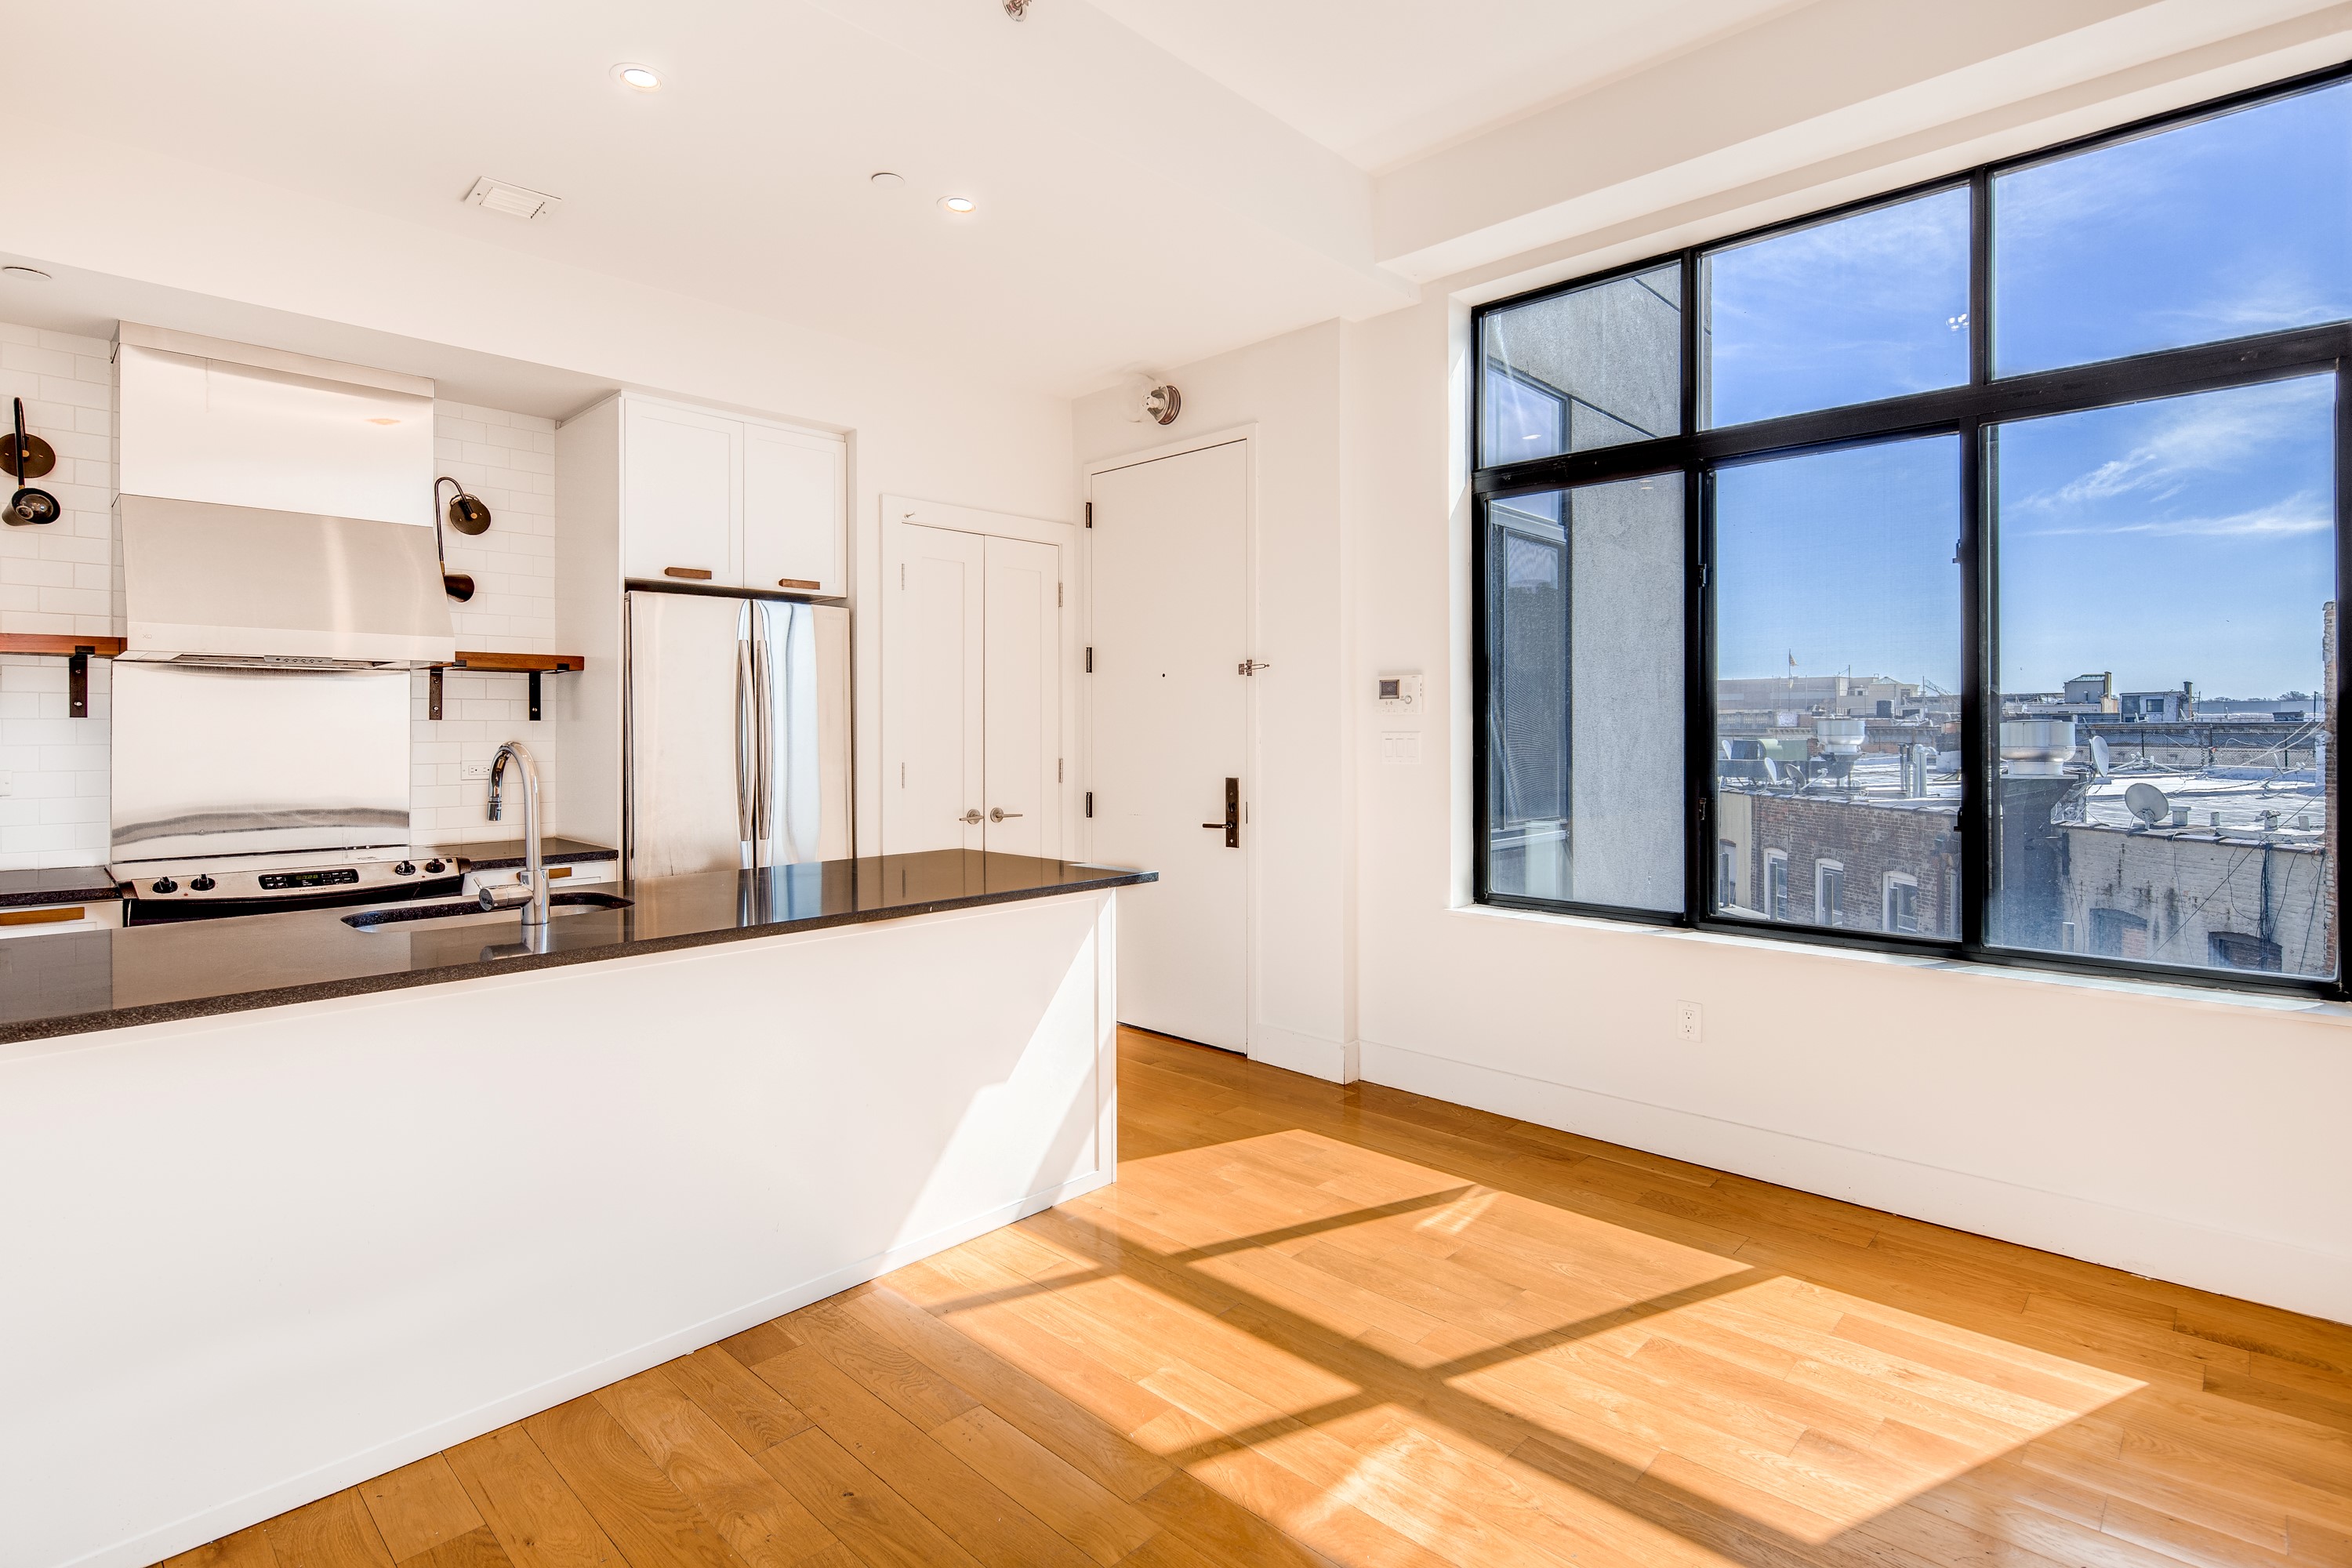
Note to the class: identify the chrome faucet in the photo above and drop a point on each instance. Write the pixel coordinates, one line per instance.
(533, 906)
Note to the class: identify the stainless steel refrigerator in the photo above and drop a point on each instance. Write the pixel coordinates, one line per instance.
(738, 733)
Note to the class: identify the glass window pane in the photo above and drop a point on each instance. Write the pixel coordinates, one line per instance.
(1870, 306)
(1584, 704)
(2214, 229)
(1594, 367)
(2166, 574)
(1838, 649)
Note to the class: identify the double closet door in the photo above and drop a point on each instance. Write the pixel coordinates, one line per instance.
(972, 694)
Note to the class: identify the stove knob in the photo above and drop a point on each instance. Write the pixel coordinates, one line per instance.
(201, 885)
(405, 868)
(434, 868)
(165, 885)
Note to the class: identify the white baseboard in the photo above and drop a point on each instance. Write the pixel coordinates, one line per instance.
(269, 1502)
(2185, 1252)
(1334, 1061)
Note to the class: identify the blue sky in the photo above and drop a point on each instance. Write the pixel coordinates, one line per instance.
(2183, 539)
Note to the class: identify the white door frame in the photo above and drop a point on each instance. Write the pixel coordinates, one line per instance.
(1251, 763)
(898, 512)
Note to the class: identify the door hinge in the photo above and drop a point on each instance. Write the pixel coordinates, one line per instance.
(1057, 770)
(1090, 802)
(902, 574)
(1090, 514)
(1090, 661)
(1057, 595)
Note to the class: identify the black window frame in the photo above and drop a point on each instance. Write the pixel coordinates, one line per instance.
(1967, 411)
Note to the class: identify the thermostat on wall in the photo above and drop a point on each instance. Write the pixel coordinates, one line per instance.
(1399, 693)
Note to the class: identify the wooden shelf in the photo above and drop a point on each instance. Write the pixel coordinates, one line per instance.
(518, 663)
(62, 647)
(65, 647)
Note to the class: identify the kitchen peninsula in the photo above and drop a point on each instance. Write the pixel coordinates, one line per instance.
(319, 1198)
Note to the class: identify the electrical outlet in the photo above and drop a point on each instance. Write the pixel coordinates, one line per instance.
(7, 783)
(1690, 1022)
(470, 772)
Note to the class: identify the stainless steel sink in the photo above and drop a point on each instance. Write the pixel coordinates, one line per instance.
(446, 916)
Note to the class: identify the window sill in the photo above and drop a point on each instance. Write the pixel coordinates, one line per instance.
(2256, 1001)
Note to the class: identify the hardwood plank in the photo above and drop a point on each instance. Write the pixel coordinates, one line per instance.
(534, 1515)
(333, 1533)
(881, 1527)
(478, 1548)
(750, 1511)
(985, 1522)
(247, 1548)
(753, 1416)
(761, 1341)
(1068, 1431)
(647, 1518)
(419, 1506)
(1088, 1515)
(899, 1380)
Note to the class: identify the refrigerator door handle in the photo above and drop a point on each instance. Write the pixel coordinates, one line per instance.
(746, 745)
(763, 702)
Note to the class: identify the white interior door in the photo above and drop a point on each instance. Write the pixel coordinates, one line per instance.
(1022, 718)
(1169, 709)
(933, 694)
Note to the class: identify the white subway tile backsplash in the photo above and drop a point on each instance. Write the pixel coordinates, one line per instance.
(67, 579)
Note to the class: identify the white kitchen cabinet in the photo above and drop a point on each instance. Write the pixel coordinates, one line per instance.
(793, 534)
(681, 493)
(715, 498)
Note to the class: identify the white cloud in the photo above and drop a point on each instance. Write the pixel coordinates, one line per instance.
(2304, 513)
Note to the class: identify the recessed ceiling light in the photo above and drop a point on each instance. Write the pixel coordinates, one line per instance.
(33, 273)
(958, 204)
(384, 421)
(886, 179)
(645, 79)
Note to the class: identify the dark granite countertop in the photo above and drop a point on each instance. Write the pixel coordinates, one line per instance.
(500, 854)
(58, 885)
(80, 981)
(65, 884)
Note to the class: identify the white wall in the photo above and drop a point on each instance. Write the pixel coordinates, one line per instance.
(1289, 392)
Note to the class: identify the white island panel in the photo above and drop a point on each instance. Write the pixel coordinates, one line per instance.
(257, 1258)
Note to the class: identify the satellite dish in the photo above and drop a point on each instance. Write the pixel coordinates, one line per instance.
(2148, 803)
(2099, 755)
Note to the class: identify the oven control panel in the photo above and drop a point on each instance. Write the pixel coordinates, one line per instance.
(281, 881)
(223, 881)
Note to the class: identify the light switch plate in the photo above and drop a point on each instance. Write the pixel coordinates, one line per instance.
(1401, 748)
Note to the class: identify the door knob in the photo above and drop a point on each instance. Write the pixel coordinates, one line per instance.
(971, 816)
(998, 813)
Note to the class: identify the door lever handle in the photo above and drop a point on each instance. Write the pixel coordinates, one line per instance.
(998, 813)
(969, 818)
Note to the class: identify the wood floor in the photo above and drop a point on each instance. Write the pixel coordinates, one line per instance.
(1321, 1325)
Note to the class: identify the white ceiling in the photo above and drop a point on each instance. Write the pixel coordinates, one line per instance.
(1383, 82)
(1157, 180)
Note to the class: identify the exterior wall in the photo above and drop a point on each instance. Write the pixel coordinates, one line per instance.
(1869, 840)
(2188, 885)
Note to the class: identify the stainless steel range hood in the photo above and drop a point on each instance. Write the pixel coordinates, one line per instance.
(241, 584)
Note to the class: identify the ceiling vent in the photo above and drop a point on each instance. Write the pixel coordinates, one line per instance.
(515, 201)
